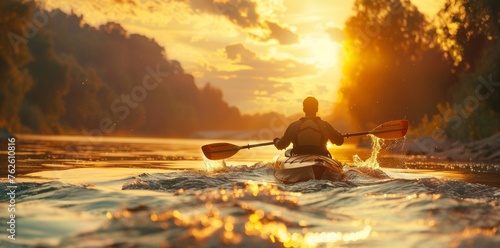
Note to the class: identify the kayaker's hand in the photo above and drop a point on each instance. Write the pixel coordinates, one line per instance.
(275, 140)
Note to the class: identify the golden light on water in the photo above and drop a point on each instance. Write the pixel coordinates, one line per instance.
(154, 217)
(266, 226)
(313, 239)
(278, 231)
(212, 221)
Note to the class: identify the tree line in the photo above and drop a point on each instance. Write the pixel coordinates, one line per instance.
(441, 73)
(58, 75)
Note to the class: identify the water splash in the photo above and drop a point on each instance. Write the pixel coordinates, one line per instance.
(371, 162)
(214, 165)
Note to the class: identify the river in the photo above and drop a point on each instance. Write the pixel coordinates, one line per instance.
(71, 191)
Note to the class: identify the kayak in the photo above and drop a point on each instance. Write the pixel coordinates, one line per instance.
(300, 168)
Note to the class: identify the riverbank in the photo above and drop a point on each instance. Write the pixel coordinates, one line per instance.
(485, 150)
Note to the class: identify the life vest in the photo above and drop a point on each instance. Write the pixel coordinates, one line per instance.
(309, 138)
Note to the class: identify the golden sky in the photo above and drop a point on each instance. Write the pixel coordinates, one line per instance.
(265, 55)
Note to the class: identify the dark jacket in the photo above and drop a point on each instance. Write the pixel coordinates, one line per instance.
(309, 135)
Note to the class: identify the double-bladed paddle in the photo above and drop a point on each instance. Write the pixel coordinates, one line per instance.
(388, 130)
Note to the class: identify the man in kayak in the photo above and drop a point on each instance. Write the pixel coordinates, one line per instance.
(310, 134)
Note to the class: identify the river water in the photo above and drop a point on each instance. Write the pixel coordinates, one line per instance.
(70, 191)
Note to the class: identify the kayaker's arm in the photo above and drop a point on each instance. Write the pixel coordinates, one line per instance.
(284, 142)
(338, 139)
(333, 135)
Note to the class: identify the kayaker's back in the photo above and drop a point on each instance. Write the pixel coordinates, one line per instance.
(309, 133)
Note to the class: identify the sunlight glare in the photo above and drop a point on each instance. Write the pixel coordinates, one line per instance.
(322, 50)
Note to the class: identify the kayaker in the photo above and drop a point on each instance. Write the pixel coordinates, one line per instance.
(310, 134)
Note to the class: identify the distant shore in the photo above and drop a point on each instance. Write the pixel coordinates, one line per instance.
(485, 150)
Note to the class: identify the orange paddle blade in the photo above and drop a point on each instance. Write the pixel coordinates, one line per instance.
(218, 151)
(391, 129)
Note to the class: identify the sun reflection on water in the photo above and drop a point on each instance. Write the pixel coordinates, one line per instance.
(232, 216)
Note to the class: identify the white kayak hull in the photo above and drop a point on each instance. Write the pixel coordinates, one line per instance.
(300, 168)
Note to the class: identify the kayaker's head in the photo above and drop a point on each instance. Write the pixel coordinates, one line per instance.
(310, 106)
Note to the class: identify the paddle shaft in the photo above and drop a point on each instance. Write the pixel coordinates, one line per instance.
(256, 145)
(237, 148)
(347, 135)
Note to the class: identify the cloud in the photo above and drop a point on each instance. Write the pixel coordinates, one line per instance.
(148, 14)
(241, 13)
(260, 82)
(131, 2)
(283, 35)
(268, 67)
(240, 53)
(244, 13)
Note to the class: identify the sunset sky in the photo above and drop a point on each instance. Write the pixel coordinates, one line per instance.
(265, 56)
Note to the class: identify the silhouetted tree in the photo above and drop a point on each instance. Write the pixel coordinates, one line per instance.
(391, 67)
(15, 80)
(83, 104)
(469, 33)
(51, 84)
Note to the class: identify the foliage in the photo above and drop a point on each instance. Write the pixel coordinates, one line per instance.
(69, 77)
(15, 81)
(397, 64)
(391, 70)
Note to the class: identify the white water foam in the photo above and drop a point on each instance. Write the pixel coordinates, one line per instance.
(214, 165)
(370, 162)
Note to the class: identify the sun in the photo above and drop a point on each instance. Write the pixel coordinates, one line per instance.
(322, 50)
